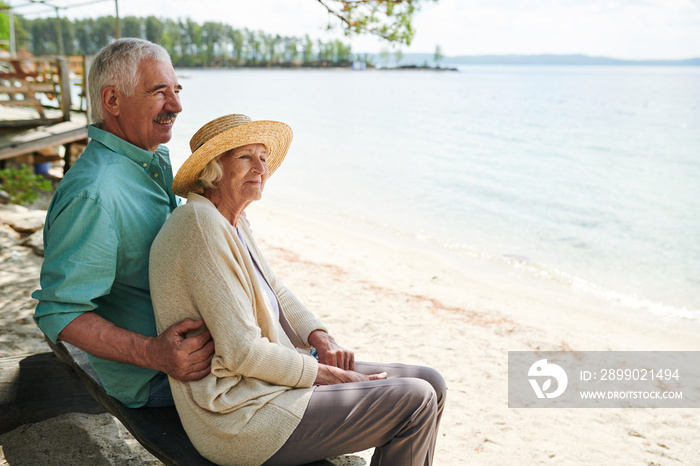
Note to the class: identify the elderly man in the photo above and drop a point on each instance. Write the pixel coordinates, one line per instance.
(99, 229)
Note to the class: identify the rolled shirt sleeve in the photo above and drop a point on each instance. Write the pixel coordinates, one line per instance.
(79, 266)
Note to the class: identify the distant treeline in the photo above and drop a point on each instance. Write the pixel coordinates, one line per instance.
(190, 44)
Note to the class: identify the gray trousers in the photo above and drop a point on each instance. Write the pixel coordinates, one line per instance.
(398, 416)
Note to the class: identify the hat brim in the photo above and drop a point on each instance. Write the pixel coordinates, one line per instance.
(274, 135)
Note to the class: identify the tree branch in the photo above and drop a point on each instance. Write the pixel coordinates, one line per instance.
(388, 19)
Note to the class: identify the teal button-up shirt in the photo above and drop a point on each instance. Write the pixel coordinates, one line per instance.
(98, 233)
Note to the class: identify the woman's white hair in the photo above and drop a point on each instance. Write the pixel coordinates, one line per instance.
(212, 173)
(117, 65)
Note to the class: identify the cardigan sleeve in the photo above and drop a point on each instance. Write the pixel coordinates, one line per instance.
(224, 295)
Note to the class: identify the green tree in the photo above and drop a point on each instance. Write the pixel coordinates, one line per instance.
(388, 19)
(322, 51)
(343, 53)
(188, 43)
(385, 56)
(212, 37)
(83, 35)
(308, 50)
(268, 48)
(91, 35)
(68, 35)
(22, 35)
(274, 44)
(398, 56)
(437, 57)
(103, 32)
(171, 41)
(190, 34)
(238, 40)
(154, 30)
(43, 36)
(254, 47)
(195, 31)
(132, 26)
(291, 46)
(4, 27)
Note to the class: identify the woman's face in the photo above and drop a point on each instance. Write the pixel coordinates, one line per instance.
(244, 173)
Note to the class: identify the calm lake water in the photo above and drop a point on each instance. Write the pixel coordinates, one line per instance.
(586, 175)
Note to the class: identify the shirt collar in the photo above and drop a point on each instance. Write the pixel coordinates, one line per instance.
(123, 147)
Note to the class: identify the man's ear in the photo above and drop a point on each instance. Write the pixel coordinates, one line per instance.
(111, 98)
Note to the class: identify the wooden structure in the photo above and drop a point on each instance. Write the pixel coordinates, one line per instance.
(159, 430)
(37, 387)
(42, 106)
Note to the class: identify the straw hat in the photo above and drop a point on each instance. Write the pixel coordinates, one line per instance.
(226, 133)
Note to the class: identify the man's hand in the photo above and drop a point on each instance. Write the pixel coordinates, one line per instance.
(331, 375)
(183, 358)
(179, 357)
(330, 352)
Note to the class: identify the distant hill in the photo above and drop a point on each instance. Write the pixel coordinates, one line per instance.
(547, 59)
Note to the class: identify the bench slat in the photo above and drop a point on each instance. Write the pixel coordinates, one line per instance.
(159, 430)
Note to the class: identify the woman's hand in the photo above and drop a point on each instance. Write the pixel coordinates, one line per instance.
(331, 375)
(330, 352)
(336, 364)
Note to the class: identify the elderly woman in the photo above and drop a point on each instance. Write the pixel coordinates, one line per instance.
(268, 400)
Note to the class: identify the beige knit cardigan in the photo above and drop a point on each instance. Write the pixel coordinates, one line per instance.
(259, 385)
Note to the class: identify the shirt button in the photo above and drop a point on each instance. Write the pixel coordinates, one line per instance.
(145, 165)
(155, 175)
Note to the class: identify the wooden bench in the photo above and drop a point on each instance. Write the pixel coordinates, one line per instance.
(159, 430)
(38, 387)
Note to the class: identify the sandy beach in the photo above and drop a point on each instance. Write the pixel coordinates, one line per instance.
(392, 299)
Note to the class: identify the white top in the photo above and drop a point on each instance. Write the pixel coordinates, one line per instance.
(271, 298)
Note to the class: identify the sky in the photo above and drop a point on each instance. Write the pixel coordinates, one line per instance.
(626, 29)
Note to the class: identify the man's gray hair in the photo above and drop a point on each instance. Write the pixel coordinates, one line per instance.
(117, 65)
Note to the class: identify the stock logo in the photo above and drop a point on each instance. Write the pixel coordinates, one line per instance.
(547, 372)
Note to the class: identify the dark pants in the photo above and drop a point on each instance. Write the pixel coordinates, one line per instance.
(160, 395)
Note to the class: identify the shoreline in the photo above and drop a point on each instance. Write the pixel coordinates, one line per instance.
(464, 282)
(391, 301)
(396, 303)
(622, 290)
(507, 281)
